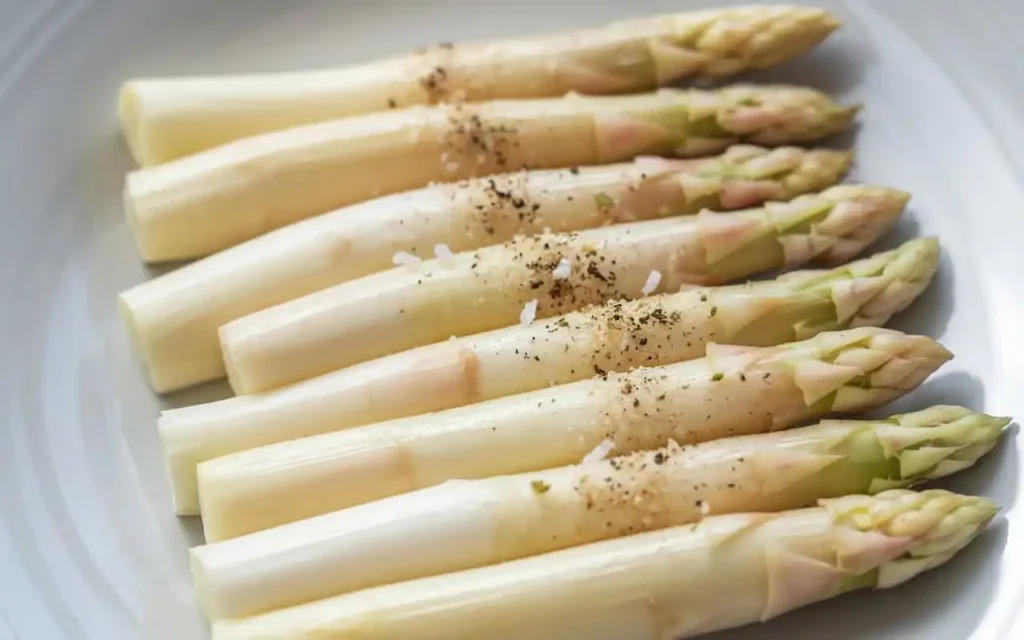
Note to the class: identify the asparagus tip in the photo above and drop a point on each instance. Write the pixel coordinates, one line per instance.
(931, 526)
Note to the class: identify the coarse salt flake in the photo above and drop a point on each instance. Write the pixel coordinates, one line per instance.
(653, 280)
(442, 251)
(563, 270)
(600, 452)
(705, 508)
(403, 257)
(528, 314)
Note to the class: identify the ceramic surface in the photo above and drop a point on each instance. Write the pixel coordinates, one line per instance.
(89, 545)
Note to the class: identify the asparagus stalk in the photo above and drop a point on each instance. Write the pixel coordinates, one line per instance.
(463, 524)
(263, 487)
(704, 399)
(680, 582)
(213, 200)
(175, 317)
(166, 118)
(547, 275)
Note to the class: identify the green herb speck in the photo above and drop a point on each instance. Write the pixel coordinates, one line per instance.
(540, 487)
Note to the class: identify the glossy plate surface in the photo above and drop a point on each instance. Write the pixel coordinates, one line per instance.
(89, 547)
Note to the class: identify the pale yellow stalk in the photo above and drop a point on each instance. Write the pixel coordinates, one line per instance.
(723, 572)
(174, 318)
(204, 203)
(543, 276)
(267, 486)
(166, 118)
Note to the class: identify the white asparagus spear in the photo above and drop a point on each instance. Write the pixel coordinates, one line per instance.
(549, 275)
(267, 486)
(480, 368)
(219, 198)
(174, 318)
(166, 118)
(724, 572)
(463, 524)
(521, 426)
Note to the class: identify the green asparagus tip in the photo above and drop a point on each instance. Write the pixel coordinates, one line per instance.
(935, 442)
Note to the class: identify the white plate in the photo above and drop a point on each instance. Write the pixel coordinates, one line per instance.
(89, 547)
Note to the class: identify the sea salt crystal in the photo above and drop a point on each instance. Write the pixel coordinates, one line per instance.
(563, 270)
(403, 257)
(653, 280)
(600, 452)
(528, 314)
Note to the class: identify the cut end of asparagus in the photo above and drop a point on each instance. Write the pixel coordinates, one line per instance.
(204, 594)
(146, 241)
(131, 215)
(928, 444)
(918, 530)
(127, 313)
(780, 114)
(129, 109)
(163, 379)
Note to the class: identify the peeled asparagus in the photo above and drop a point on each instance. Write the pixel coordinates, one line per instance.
(267, 486)
(174, 318)
(542, 276)
(166, 118)
(216, 199)
(724, 572)
(521, 427)
(463, 524)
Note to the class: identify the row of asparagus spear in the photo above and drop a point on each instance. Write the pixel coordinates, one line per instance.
(496, 376)
(655, 331)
